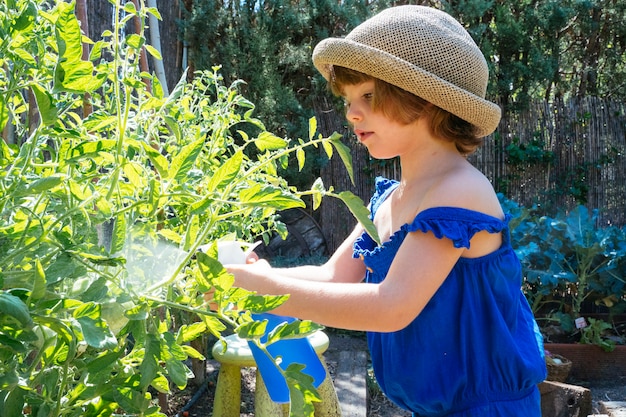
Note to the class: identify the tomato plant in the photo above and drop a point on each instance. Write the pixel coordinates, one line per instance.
(102, 213)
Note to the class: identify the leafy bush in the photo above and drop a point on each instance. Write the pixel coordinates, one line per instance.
(570, 265)
(102, 212)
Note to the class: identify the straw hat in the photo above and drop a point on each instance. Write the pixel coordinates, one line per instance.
(421, 50)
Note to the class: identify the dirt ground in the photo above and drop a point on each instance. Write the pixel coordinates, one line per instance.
(182, 404)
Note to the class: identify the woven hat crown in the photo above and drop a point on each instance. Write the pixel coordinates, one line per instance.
(422, 50)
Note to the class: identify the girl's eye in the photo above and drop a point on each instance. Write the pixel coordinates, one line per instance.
(368, 96)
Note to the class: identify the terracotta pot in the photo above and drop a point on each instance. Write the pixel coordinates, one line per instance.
(590, 362)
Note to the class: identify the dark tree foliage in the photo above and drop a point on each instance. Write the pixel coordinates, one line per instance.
(536, 49)
(268, 44)
(546, 49)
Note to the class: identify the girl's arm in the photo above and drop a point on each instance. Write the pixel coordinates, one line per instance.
(336, 298)
(341, 267)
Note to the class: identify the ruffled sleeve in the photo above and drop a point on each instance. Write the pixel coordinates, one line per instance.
(457, 224)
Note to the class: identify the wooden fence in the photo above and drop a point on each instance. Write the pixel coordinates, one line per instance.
(553, 154)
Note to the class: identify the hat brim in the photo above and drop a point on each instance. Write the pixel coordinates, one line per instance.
(482, 113)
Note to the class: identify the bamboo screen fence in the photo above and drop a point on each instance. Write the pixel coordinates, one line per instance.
(574, 150)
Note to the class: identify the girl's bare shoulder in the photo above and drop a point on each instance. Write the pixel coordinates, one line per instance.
(464, 187)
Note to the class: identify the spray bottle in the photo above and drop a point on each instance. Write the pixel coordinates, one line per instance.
(284, 352)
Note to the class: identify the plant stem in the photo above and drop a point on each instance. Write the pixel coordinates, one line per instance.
(192, 310)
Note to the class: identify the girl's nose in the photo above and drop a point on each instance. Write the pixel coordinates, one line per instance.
(353, 113)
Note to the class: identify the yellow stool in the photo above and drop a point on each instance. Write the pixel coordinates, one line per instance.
(238, 355)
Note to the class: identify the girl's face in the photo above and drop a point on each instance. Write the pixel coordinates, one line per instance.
(383, 137)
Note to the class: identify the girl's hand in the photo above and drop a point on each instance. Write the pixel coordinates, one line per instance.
(252, 258)
(253, 276)
(209, 296)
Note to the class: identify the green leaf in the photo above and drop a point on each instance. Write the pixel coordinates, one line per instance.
(193, 353)
(344, 153)
(59, 327)
(12, 344)
(312, 127)
(130, 8)
(104, 206)
(221, 279)
(302, 392)
(39, 282)
(268, 141)
(45, 184)
(295, 330)
(284, 164)
(96, 333)
(89, 309)
(154, 12)
(78, 191)
(153, 51)
(26, 21)
(184, 161)
(158, 161)
(301, 156)
(71, 73)
(214, 325)
(118, 237)
(328, 148)
(129, 399)
(45, 103)
(200, 207)
(190, 332)
(161, 384)
(140, 312)
(178, 372)
(99, 120)
(191, 233)
(135, 174)
(135, 41)
(91, 149)
(149, 366)
(15, 307)
(317, 191)
(226, 173)
(13, 402)
(95, 292)
(360, 211)
(263, 303)
(252, 330)
(104, 361)
(170, 235)
(113, 314)
(268, 196)
(4, 115)
(8, 381)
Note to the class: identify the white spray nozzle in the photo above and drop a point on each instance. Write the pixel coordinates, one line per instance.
(232, 252)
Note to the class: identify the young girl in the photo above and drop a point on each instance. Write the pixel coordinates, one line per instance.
(449, 330)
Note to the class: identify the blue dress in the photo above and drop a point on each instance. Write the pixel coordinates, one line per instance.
(475, 349)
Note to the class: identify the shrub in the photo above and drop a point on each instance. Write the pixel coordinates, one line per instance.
(570, 265)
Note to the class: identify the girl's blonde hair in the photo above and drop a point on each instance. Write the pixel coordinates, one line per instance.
(404, 107)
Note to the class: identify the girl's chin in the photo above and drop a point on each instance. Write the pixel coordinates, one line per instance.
(379, 155)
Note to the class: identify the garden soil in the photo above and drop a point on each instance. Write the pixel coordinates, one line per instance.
(180, 402)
